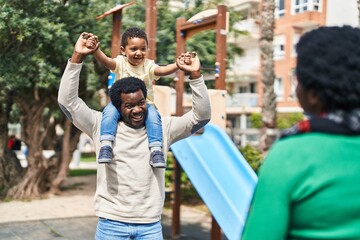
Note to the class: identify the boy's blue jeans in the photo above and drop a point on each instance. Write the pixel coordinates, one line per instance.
(111, 116)
(114, 230)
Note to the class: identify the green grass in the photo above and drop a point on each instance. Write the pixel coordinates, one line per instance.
(81, 172)
(88, 159)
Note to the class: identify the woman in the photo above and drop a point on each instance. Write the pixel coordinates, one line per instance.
(309, 184)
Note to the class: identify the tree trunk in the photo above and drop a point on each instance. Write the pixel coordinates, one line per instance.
(268, 135)
(36, 179)
(10, 168)
(69, 143)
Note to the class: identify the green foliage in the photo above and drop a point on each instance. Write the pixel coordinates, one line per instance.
(253, 156)
(88, 158)
(36, 44)
(286, 120)
(30, 43)
(255, 120)
(189, 195)
(169, 173)
(14, 114)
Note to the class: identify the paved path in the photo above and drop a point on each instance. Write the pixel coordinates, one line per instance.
(195, 225)
(71, 216)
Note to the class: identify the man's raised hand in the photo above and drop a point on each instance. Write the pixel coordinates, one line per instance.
(189, 62)
(87, 43)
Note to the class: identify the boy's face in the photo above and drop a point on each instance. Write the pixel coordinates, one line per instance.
(133, 109)
(135, 51)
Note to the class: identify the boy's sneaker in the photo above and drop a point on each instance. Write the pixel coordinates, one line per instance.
(105, 154)
(157, 159)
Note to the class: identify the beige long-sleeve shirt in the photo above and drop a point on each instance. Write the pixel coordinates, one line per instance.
(129, 189)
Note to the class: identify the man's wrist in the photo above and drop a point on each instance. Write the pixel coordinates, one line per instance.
(195, 74)
(76, 57)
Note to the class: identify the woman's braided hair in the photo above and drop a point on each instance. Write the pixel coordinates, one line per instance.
(328, 62)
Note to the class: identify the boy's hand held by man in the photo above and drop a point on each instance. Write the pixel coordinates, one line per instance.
(189, 62)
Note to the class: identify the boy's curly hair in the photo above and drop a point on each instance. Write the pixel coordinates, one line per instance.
(126, 85)
(133, 32)
(328, 62)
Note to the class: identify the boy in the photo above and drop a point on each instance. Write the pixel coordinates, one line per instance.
(132, 62)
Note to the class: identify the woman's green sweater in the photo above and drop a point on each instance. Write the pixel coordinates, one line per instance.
(308, 188)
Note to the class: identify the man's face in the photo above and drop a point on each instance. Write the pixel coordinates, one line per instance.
(133, 109)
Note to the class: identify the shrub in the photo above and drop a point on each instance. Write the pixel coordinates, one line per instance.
(253, 156)
(189, 195)
(283, 120)
(286, 120)
(255, 120)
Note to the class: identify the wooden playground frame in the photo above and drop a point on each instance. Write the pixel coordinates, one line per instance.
(184, 30)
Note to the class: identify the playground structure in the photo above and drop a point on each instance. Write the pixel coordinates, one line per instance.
(217, 20)
(221, 176)
(117, 24)
(211, 161)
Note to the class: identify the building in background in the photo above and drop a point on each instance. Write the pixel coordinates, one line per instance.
(243, 80)
(293, 19)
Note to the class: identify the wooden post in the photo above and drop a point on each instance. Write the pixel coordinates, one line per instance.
(176, 202)
(215, 230)
(180, 48)
(150, 27)
(116, 32)
(220, 80)
(221, 31)
(179, 86)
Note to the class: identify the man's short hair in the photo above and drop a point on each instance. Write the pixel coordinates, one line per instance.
(133, 32)
(126, 85)
(328, 62)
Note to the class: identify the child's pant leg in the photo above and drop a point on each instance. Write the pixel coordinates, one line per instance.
(109, 121)
(153, 126)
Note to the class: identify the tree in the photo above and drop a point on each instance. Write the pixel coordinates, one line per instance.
(10, 168)
(267, 74)
(35, 46)
(30, 52)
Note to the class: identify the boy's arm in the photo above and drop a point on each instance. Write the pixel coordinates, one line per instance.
(165, 70)
(108, 62)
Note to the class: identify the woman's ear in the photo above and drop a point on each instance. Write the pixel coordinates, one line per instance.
(314, 101)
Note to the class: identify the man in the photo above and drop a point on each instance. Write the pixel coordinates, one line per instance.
(130, 193)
